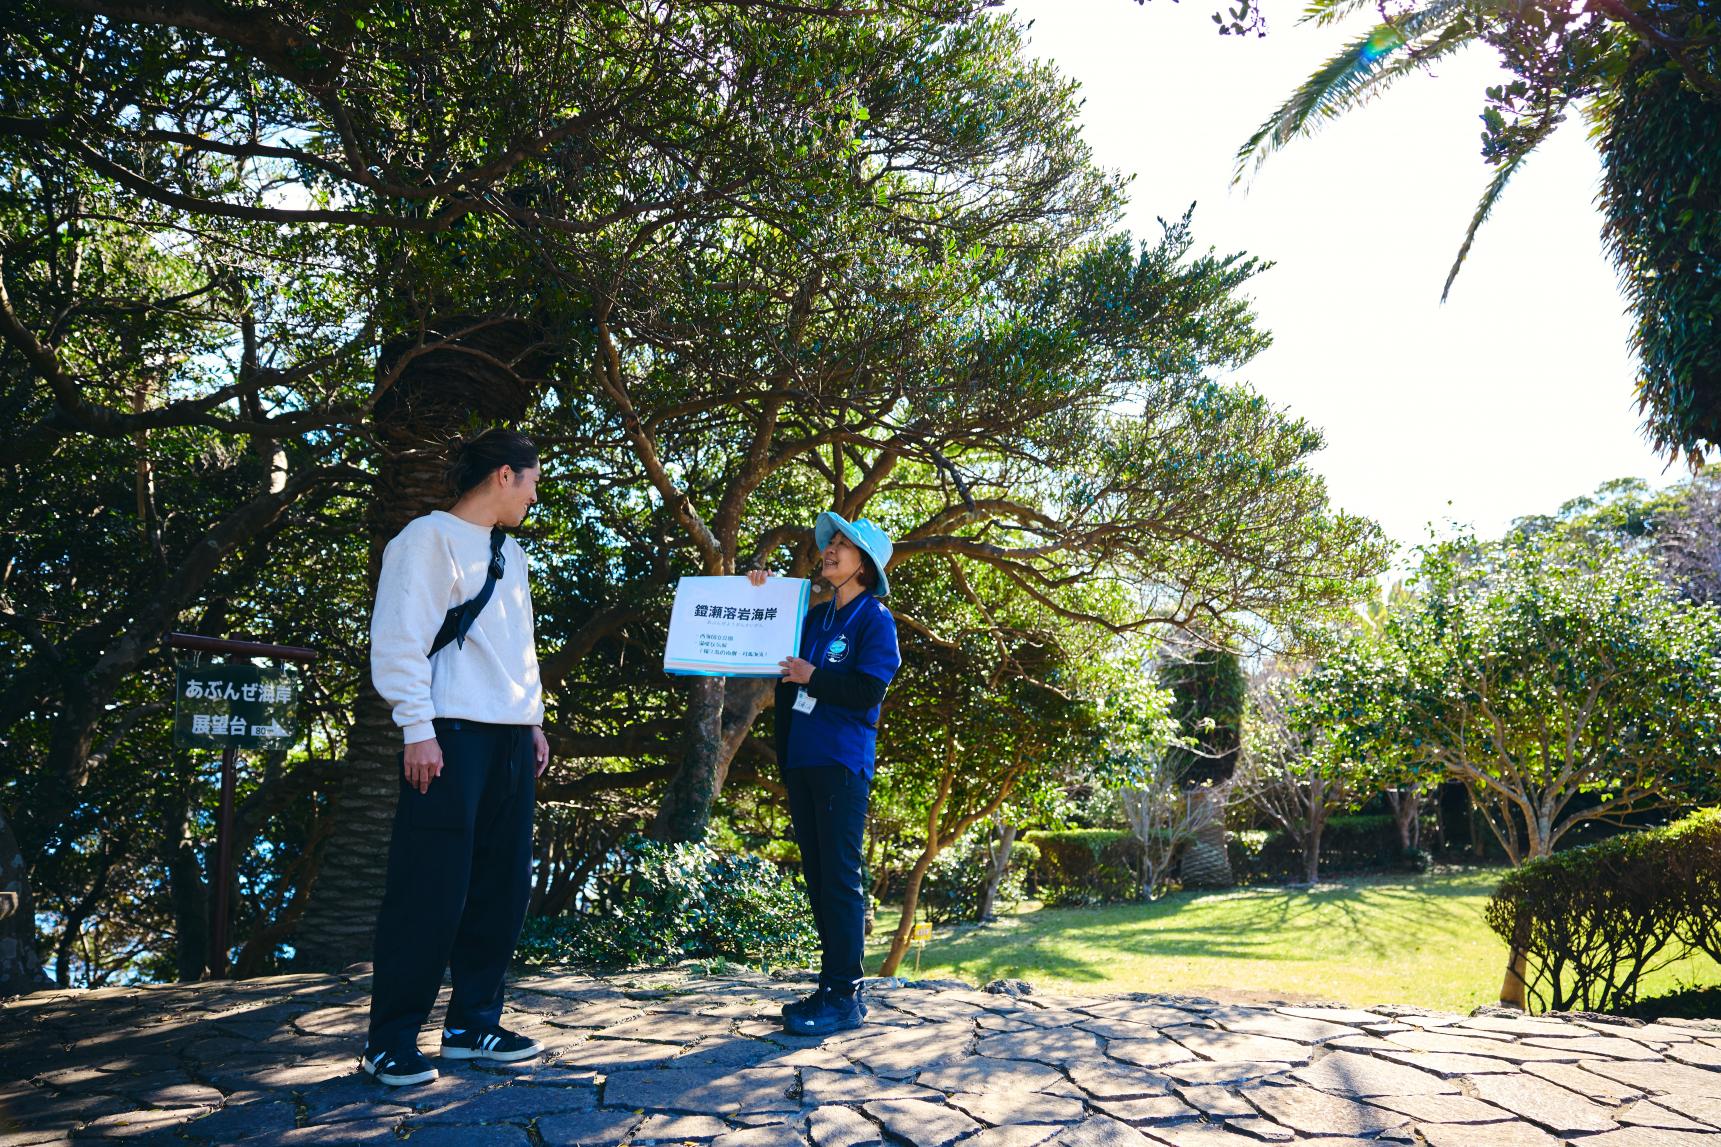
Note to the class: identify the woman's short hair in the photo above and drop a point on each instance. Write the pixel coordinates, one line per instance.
(472, 460)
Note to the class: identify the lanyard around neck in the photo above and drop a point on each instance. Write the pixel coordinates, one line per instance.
(830, 616)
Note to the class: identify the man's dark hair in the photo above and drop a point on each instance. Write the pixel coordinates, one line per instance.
(472, 460)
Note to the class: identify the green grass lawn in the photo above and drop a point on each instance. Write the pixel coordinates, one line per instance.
(1394, 939)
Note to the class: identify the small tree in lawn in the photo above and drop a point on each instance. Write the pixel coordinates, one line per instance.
(1538, 672)
(1164, 809)
(991, 710)
(1288, 769)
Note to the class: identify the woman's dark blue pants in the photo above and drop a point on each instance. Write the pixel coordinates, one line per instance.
(459, 877)
(827, 806)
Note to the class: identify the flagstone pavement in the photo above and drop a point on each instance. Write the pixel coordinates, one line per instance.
(680, 1057)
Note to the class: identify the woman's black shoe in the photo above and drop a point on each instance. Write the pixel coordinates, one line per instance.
(832, 1013)
(805, 1003)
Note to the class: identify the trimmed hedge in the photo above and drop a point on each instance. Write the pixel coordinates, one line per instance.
(1348, 844)
(1594, 920)
(1087, 865)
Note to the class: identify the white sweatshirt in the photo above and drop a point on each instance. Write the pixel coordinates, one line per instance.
(434, 564)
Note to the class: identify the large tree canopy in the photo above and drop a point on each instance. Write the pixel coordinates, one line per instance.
(728, 267)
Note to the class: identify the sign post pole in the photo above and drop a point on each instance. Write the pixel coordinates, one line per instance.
(223, 875)
(230, 707)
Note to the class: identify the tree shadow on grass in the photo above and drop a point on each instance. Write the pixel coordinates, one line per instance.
(1361, 919)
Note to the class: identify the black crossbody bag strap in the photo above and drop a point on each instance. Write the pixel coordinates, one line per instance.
(461, 617)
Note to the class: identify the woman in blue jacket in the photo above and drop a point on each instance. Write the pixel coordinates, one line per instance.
(827, 732)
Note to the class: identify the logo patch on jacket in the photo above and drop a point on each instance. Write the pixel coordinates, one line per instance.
(839, 649)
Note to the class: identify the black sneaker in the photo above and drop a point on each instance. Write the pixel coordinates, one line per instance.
(805, 1003)
(833, 1013)
(496, 1043)
(397, 1068)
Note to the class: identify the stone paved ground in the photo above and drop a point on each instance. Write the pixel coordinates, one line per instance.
(675, 1057)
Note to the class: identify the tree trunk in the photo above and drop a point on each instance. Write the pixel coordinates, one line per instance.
(1312, 850)
(720, 713)
(20, 963)
(185, 882)
(1000, 866)
(686, 807)
(910, 901)
(438, 395)
(1406, 806)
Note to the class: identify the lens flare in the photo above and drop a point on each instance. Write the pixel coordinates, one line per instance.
(1382, 40)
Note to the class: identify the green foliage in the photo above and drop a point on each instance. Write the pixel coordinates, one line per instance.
(1647, 79)
(762, 266)
(955, 885)
(682, 901)
(1536, 670)
(1691, 1002)
(1208, 691)
(1594, 921)
(1349, 845)
(1661, 194)
(1087, 866)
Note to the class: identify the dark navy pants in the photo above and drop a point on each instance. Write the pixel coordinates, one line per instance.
(459, 876)
(827, 806)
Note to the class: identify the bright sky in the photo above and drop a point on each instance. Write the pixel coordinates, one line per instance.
(1507, 400)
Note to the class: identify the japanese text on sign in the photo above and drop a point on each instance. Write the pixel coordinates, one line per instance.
(728, 627)
(242, 706)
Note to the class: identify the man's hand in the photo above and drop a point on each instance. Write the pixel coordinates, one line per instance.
(423, 764)
(540, 749)
(795, 670)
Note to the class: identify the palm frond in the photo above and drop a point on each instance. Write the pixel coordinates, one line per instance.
(1323, 13)
(1491, 195)
(1361, 71)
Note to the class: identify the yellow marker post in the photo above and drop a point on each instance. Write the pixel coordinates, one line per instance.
(918, 937)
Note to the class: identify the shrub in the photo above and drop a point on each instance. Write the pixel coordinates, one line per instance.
(1243, 848)
(1594, 920)
(1087, 866)
(1694, 844)
(956, 882)
(681, 901)
(1026, 856)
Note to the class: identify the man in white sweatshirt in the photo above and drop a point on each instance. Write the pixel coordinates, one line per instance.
(471, 716)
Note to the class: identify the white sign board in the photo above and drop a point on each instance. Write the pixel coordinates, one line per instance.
(728, 627)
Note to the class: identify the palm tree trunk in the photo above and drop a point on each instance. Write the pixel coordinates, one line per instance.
(437, 395)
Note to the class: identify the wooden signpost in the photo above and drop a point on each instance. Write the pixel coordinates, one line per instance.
(233, 706)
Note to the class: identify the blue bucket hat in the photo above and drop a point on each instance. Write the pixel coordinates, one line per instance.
(867, 537)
